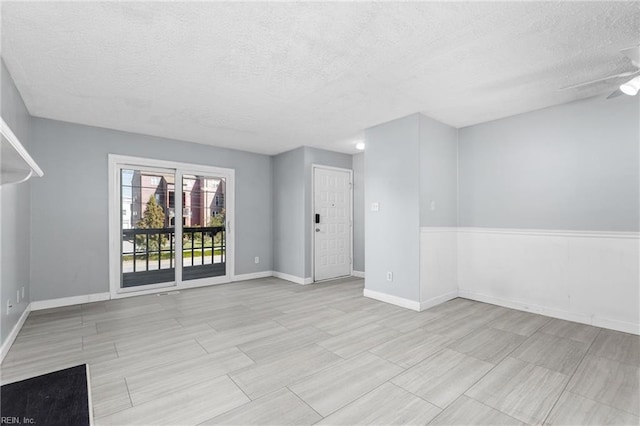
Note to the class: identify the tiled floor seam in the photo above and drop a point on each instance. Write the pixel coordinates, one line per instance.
(203, 348)
(601, 403)
(242, 390)
(488, 372)
(303, 378)
(479, 402)
(564, 389)
(361, 396)
(306, 403)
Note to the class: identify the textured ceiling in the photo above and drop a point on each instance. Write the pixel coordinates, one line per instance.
(268, 77)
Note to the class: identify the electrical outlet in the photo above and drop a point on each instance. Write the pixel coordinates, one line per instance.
(389, 276)
(256, 259)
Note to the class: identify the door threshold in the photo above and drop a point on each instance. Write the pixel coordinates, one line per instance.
(332, 279)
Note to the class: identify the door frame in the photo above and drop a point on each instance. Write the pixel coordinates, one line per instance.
(312, 228)
(115, 162)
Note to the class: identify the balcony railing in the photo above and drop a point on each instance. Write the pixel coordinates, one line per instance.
(148, 254)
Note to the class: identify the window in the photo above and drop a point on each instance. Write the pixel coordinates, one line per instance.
(172, 199)
(155, 180)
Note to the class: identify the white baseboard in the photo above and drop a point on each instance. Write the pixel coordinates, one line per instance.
(89, 397)
(359, 274)
(612, 324)
(595, 321)
(394, 300)
(434, 301)
(14, 333)
(293, 278)
(253, 276)
(68, 301)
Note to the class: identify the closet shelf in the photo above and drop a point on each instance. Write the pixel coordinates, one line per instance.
(17, 165)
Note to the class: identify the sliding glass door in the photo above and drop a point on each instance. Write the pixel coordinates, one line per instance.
(204, 231)
(169, 225)
(148, 235)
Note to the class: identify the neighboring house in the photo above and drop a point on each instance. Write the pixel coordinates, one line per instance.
(127, 219)
(203, 198)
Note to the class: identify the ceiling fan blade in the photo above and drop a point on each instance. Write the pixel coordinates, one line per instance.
(632, 53)
(609, 77)
(615, 94)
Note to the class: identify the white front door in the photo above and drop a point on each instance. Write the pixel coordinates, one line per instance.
(332, 223)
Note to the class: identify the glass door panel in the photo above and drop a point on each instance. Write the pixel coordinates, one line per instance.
(147, 255)
(204, 230)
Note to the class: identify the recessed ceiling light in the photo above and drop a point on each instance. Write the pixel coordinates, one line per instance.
(360, 146)
(631, 87)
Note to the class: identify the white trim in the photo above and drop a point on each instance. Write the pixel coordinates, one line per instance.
(612, 324)
(253, 276)
(89, 397)
(129, 291)
(164, 164)
(6, 345)
(17, 146)
(39, 305)
(114, 224)
(430, 303)
(315, 166)
(394, 300)
(293, 278)
(549, 232)
(595, 320)
(437, 229)
(178, 235)
(117, 162)
(359, 274)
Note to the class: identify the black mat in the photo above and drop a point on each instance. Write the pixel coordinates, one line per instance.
(58, 398)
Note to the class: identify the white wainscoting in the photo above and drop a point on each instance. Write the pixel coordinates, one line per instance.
(587, 277)
(438, 266)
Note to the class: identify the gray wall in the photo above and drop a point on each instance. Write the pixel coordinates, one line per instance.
(438, 173)
(325, 158)
(70, 204)
(573, 166)
(15, 205)
(292, 206)
(289, 212)
(358, 212)
(392, 178)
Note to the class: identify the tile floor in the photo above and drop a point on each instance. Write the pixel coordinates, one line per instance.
(271, 352)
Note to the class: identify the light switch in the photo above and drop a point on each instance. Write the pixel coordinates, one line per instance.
(433, 205)
(375, 206)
